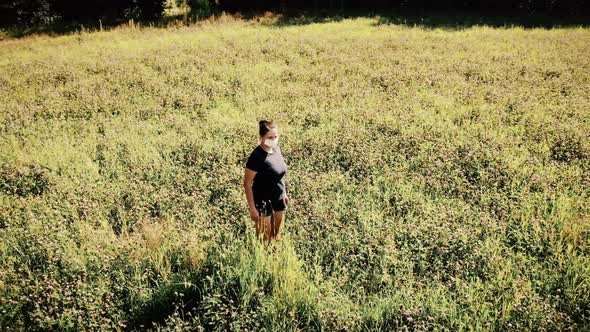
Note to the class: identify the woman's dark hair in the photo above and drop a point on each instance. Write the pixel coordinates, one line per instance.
(265, 126)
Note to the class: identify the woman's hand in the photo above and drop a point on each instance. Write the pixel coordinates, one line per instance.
(286, 200)
(254, 215)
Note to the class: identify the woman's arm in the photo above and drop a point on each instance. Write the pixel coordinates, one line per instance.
(286, 194)
(248, 179)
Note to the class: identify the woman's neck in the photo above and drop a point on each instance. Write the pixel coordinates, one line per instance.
(266, 148)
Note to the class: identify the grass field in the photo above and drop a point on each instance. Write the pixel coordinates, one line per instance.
(439, 178)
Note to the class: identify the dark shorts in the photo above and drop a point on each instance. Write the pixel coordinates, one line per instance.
(266, 207)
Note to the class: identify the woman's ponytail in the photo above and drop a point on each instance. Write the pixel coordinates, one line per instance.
(264, 127)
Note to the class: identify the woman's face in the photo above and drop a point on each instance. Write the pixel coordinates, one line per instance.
(272, 134)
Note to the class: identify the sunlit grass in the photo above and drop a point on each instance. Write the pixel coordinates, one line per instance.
(439, 177)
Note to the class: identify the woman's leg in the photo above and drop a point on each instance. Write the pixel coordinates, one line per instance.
(264, 228)
(279, 208)
(278, 219)
(263, 223)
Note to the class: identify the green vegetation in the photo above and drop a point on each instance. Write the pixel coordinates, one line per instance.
(439, 178)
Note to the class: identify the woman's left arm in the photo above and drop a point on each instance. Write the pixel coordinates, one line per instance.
(286, 195)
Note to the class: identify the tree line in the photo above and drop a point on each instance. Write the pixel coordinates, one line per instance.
(523, 6)
(29, 12)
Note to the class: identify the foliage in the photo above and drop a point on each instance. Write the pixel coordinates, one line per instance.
(568, 7)
(45, 12)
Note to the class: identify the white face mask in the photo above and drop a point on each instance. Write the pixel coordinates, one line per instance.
(272, 143)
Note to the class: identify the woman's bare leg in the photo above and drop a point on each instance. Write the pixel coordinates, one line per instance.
(278, 219)
(263, 227)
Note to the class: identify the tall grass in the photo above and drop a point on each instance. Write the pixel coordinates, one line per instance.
(439, 178)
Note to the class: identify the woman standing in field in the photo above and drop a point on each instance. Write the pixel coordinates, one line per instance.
(264, 182)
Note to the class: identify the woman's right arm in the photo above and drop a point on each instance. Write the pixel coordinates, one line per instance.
(248, 179)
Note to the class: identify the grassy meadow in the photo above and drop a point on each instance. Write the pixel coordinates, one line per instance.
(439, 178)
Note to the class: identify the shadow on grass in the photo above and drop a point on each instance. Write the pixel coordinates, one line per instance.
(65, 28)
(165, 301)
(57, 29)
(450, 20)
(457, 20)
(212, 294)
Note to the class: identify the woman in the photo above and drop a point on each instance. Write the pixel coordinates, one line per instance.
(264, 182)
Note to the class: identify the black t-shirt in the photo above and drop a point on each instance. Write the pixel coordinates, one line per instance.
(270, 168)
